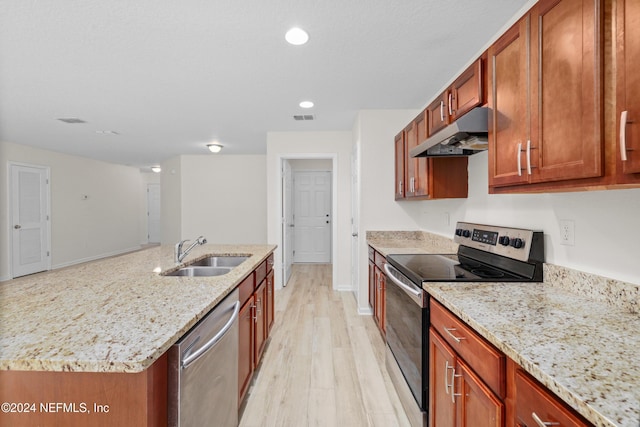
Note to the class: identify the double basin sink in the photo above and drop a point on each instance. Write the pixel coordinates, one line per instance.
(210, 266)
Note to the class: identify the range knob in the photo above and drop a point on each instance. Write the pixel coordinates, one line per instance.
(458, 231)
(517, 243)
(466, 233)
(504, 240)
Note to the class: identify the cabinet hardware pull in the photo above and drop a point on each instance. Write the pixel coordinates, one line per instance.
(457, 339)
(541, 423)
(400, 187)
(446, 376)
(518, 158)
(623, 135)
(450, 102)
(529, 156)
(442, 111)
(255, 314)
(453, 385)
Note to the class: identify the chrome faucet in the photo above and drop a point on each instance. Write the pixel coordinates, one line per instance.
(180, 255)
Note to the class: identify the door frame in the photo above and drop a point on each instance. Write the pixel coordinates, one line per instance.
(334, 211)
(47, 170)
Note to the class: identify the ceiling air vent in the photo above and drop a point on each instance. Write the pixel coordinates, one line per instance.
(303, 117)
(71, 120)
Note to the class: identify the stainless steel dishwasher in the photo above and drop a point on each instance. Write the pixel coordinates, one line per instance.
(203, 370)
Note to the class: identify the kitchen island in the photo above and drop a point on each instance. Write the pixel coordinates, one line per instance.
(577, 334)
(107, 325)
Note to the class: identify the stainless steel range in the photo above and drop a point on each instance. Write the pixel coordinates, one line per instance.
(486, 253)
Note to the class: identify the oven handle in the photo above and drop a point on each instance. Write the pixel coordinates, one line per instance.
(415, 293)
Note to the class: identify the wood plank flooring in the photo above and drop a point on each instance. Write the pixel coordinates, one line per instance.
(324, 364)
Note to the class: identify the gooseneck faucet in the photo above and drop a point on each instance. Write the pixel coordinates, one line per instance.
(180, 255)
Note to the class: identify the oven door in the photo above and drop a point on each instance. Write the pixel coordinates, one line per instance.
(407, 326)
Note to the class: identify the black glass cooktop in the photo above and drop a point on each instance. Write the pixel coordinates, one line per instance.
(448, 268)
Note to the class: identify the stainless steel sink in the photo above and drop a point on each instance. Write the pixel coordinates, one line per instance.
(200, 271)
(220, 261)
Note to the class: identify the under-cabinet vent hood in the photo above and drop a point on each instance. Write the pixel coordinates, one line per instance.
(465, 136)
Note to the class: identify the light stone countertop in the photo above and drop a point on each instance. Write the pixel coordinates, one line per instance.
(576, 333)
(113, 315)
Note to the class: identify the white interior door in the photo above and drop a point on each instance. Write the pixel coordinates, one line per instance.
(288, 229)
(153, 213)
(29, 220)
(355, 218)
(312, 216)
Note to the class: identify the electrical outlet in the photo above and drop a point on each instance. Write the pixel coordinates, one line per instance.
(567, 232)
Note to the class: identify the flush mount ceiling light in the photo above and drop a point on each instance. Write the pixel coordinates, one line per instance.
(71, 120)
(296, 36)
(156, 169)
(214, 148)
(306, 104)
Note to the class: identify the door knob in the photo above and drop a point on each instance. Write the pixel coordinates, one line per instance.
(354, 234)
(17, 226)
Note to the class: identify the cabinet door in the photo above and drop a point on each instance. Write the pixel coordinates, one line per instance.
(421, 182)
(438, 114)
(377, 309)
(410, 165)
(628, 85)
(372, 285)
(246, 325)
(270, 301)
(382, 306)
(509, 110)
(466, 91)
(478, 406)
(566, 90)
(400, 165)
(260, 320)
(442, 362)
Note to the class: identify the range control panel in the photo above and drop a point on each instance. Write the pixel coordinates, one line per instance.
(516, 243)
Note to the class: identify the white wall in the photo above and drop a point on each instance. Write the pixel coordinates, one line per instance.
(305, 145)
(106, 223)
(224, 198)
(311, 164)
(171, 201)
(146, 178)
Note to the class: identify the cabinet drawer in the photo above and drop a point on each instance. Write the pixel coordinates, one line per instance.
(380, 260)
(261, 272)
(487, 361)
(246, 288)
(534, 401)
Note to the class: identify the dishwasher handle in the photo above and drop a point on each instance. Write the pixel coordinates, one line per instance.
(213, 341)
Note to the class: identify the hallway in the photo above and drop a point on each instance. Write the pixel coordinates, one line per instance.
(324, 364)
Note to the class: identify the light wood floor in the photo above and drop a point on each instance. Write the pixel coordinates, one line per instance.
(324, 364)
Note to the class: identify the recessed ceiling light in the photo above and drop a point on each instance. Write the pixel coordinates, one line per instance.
(156, 169)
(214, 148)
(71, 120)
(306, 104)
(296, 36)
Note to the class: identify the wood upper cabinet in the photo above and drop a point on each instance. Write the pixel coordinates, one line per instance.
(628, 90)
(400, 157)
(546, 96)
(465, 93)
(416, 168)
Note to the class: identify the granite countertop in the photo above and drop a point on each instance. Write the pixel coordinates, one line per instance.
(113, 315)
(582, 345)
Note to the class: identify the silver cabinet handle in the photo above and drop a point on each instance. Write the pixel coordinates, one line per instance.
(453, 385)
(450, 102)
(455, 338)
(529, 157)
(213, 341)
(400, 187)
(442, 111)
(518, 158)
(623, 135)
(541, 423)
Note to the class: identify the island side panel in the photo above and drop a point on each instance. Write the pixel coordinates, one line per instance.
(73, 399)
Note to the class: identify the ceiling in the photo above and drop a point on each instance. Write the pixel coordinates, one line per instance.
(170, 76)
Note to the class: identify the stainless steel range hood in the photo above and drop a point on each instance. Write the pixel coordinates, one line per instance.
(465, 136)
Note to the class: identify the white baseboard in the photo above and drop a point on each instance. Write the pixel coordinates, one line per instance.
(366, 311)
(4, 278)
(97, 257)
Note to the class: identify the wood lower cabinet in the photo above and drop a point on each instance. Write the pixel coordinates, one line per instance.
(466, 375)
(377, 287)
(100, 399)
(246, 348)
(270, 301)
(534, 405)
